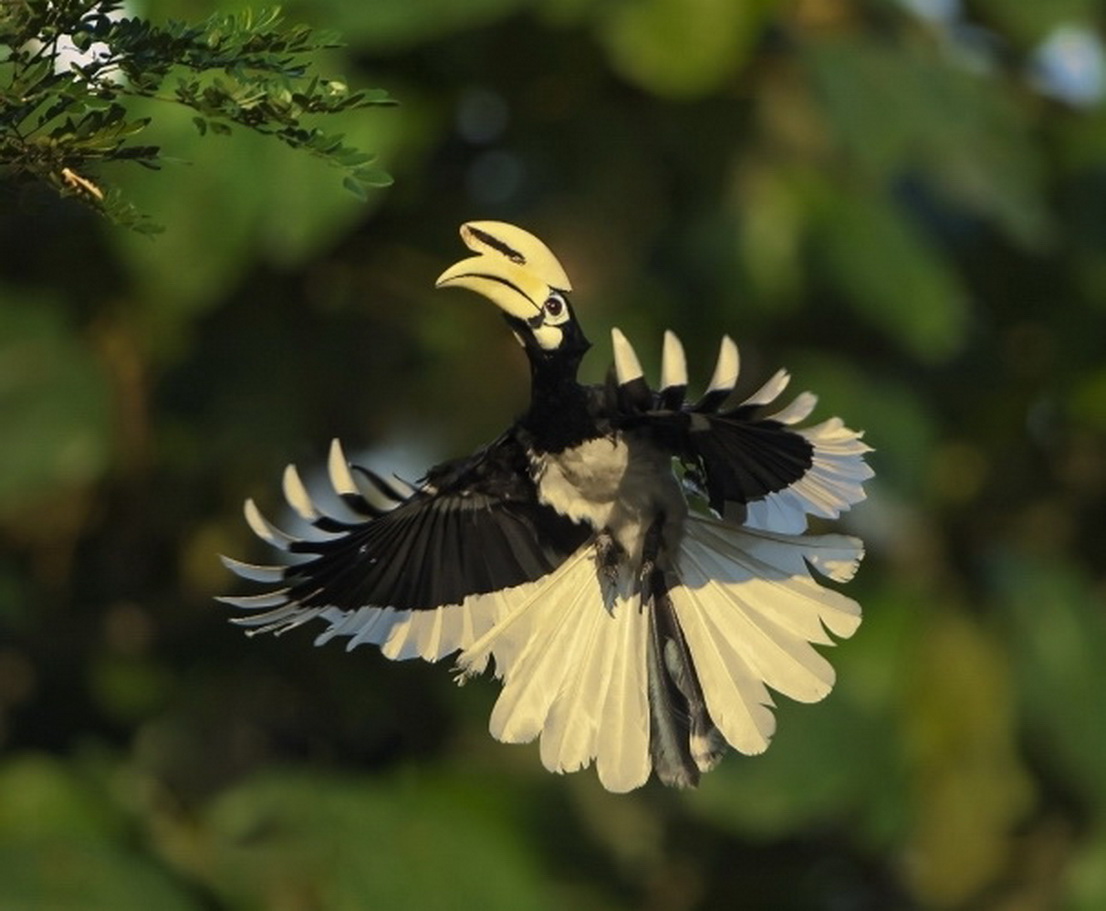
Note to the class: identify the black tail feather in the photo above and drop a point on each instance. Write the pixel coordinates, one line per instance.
(683, 740)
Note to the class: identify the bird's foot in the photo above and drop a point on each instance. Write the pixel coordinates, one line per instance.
(609, 555)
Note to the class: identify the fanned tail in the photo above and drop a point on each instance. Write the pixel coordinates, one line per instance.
(657, 673)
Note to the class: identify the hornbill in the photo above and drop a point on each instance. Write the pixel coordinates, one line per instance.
(636, 566)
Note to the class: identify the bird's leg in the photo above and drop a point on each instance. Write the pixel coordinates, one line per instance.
(609, 555)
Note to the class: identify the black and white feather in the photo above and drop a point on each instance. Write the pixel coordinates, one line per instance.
(628, 627)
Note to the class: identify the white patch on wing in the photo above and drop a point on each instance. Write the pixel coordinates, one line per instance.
(833, 483)
(727, 368)
(627, 367)
(427, 634)
(673, 362)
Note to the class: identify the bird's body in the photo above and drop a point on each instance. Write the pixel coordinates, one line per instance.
(616, 483)
(627, 628)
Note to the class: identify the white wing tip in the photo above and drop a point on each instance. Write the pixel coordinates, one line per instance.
(673, 362)
(296, 495)
(727, 367)
(627, 367)
(337, 466)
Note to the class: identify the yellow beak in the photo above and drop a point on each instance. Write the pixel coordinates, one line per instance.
(512, 268)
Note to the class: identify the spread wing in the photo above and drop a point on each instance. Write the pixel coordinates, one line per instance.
(750, 461)
(418, 570)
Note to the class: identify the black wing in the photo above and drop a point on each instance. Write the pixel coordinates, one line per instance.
(472, 527)
(746, 458)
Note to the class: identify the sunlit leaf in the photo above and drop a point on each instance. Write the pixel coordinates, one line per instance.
(961, 746)
(649, 42)
(1057, 633)
(1030, 22)
(908, 114)
(892, 275)
(399, 25)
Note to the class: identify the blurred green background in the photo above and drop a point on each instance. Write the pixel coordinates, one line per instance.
(903, 201)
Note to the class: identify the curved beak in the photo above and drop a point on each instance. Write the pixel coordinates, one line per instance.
(512, 268)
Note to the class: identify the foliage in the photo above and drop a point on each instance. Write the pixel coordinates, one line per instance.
(886, 197)
(70, 68)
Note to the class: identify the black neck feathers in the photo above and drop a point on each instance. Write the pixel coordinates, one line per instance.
(559, 415)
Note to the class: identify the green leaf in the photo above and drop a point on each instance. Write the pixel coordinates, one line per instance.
(648, 42)
(307, 834)
(64, 846)
(891, 274)
(82, 40)
(373, 177)
(906, 112)
(355, 187)
(243, 68)
(55, 400)
(1057, 632)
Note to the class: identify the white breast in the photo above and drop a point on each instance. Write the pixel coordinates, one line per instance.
(618, 483)
(583, 483)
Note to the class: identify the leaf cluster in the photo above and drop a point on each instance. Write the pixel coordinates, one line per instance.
(70, 69)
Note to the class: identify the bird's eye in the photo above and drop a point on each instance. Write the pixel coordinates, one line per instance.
(556, 309)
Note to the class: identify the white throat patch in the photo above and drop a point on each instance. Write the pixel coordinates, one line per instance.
(549, 337)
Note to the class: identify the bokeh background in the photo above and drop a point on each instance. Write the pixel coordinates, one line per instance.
(904, 201)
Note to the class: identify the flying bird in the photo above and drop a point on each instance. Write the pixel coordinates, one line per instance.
(635, 567)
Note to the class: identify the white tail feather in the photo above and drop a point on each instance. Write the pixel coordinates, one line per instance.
(573, 664)
(749, 609)
(573, 671)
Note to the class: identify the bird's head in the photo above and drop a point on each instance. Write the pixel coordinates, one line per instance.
(519, 274)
